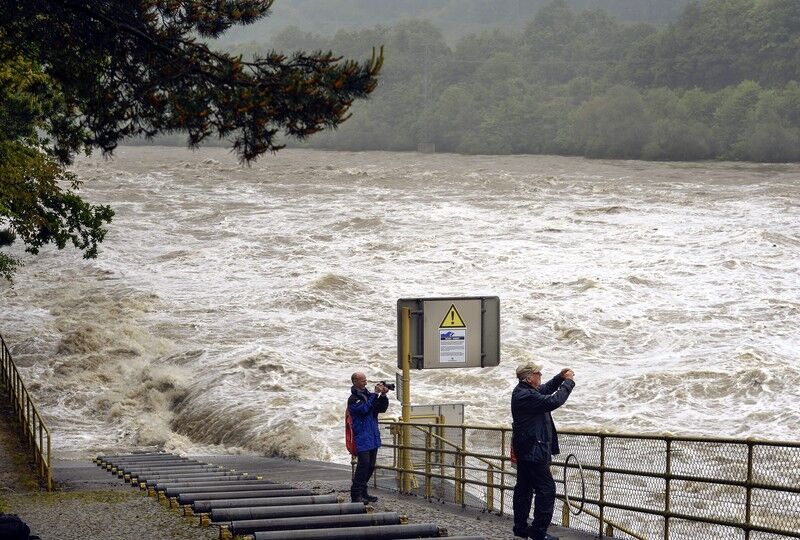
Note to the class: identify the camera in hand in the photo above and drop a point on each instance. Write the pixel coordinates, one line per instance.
(389, 386)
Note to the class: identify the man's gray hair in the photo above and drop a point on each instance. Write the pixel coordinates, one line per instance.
(524, 370)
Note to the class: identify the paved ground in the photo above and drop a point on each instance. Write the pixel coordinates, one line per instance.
(87, 504)
(90, 503)
(328, 477)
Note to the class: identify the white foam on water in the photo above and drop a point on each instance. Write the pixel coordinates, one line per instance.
(229, 305)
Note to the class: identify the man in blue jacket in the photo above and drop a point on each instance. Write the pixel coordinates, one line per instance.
(534, 440)
(364, 407)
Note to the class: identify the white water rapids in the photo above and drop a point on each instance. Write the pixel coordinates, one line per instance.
(229, 305)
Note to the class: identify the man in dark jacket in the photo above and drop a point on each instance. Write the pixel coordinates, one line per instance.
(364, 407)
(534, 440)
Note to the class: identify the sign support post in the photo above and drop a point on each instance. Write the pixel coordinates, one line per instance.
(405, 453)
(457, 332)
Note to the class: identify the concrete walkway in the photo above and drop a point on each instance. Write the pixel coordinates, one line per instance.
(330, 477)
(87, 503)
(90, 503)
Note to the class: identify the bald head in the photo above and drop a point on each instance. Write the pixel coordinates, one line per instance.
(359, 380)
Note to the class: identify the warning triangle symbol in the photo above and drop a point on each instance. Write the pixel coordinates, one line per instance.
(452, 319)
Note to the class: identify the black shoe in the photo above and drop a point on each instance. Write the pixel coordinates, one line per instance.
(362, 500)
(545, 537)
(370, 498)
(521, 533)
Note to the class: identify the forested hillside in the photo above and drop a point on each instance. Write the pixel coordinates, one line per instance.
(455, 18)
(720, 82)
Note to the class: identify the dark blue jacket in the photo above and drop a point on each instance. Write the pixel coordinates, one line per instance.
(534, 433)
(364, 407)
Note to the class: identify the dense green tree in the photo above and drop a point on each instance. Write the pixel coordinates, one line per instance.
(731, 117)
(699, 105)
(675, 140)
(454, 115)
(778, 53)
(767, 142)
(614, 125)
(768, 133)
(91, 74)
(38, 203)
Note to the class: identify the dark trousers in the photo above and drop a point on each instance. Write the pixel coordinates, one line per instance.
(534, 477)
(364, 469)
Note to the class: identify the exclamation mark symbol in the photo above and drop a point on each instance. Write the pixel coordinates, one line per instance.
(452, 318)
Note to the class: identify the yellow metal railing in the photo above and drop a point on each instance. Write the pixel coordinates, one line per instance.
(32, 428)
(638, 486)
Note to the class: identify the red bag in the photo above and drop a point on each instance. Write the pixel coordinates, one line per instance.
(349, 436)
(513, 457)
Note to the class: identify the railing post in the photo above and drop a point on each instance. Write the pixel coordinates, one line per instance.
(602, 482)
(502, 472)
(396, 434)
(28, 418)
(490, 489)
(668, 488)
(18, 397)
(405, 452)
(463, 452)
(49, 469)
(41, 447)
(459, 496)
(748, 491)
(440, 446)
(34, 440)
(428, 455)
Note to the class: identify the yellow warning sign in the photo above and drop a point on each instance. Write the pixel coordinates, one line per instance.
(452, 319)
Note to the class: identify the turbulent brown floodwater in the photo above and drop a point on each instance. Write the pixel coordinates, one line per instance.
(229, 305)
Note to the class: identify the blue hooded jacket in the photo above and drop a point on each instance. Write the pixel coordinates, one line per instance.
(364, 407)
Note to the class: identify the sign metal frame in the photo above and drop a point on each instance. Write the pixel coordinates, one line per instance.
(451, 332)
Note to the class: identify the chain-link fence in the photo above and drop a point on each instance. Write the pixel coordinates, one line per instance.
(628, 486)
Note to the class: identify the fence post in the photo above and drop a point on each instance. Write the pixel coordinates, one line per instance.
(490, 489)
(41, 459)
(396, 457)
(405, 452)
(601, 503)
(749, 491)
(49, 468)
(502, 472)
(428, 455)
(463, 452)
(28, 418)
(668, 488)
